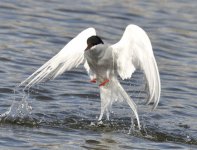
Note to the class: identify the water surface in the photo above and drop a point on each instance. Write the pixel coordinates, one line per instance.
(61, 114)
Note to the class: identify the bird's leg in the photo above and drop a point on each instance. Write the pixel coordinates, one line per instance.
(101, 115)
(104, 82)
(93, 80)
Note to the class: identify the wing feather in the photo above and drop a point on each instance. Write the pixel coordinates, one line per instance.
(69, 57)
(134, 51)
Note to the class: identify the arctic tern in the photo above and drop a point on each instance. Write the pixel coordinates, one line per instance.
(104, 63)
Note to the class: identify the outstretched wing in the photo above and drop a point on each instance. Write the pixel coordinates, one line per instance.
(69, 57)
(134, 51)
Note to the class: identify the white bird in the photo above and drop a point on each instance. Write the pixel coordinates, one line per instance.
(104, 63)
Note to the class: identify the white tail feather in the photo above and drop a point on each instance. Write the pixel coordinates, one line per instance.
(111, 92)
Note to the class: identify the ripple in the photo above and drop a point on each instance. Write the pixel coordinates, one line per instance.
(6, 90)
(149, 132)
(34, 31)
(4, 59)
(8, 7)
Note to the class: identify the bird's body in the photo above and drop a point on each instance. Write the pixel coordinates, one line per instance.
(104, 63)
(101, 62)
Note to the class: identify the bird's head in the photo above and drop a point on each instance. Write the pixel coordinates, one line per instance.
(92, 41)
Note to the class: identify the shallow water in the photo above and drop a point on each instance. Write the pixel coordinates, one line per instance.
(62, 114)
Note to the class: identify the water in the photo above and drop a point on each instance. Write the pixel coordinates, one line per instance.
(61, 114)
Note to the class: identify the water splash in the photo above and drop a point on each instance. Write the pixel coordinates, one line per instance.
(20, 108)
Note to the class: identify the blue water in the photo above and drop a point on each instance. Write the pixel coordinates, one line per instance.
(61, 114)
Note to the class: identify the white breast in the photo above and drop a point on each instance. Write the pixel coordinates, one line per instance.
(101, 61)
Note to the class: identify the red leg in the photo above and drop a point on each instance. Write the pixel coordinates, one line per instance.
(104, 82)
(93, 80)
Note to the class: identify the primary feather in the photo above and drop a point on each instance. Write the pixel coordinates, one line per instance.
(69, 57)
(134, 51)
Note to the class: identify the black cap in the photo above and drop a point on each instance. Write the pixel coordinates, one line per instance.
(93, 40)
